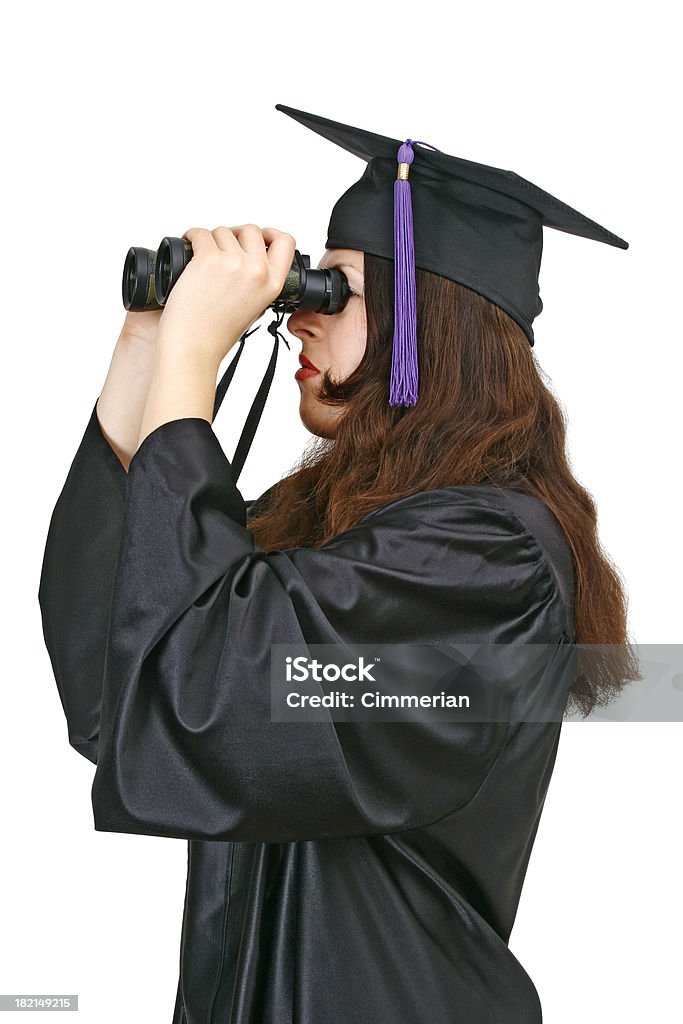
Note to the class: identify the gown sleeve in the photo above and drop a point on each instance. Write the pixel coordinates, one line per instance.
(76, 578)
(188, 747)
(77, 573)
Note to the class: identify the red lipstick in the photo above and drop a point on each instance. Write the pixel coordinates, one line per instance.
(307, 369)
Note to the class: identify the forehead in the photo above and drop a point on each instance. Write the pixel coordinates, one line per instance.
(342, 258)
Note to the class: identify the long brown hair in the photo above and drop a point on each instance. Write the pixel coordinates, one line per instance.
(485, 415)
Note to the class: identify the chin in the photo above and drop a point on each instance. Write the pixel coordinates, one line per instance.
(316, 424)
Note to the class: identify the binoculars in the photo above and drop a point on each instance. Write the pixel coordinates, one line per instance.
(149, 276)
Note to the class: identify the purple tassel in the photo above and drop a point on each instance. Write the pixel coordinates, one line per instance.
(403, 389)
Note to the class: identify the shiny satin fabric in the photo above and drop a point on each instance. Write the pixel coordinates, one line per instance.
(338, 872)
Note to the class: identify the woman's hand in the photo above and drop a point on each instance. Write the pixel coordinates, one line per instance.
(228, 284)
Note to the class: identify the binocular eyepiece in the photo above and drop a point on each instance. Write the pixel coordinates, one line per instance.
(149, 276)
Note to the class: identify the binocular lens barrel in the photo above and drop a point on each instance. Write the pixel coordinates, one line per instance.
(173, 255)
(138, 279)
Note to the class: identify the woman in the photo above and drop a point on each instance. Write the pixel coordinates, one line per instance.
(342, 871)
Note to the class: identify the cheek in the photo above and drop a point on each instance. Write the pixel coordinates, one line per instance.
(347, 345)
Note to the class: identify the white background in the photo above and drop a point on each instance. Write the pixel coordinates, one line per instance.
(126, 123)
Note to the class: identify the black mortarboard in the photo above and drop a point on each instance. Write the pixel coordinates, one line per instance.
(478, 225)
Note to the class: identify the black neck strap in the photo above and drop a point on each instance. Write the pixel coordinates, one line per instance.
(257, 406)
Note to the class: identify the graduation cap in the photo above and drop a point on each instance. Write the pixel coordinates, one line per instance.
(478, 225)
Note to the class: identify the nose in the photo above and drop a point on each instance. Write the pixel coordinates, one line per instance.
(303, 324)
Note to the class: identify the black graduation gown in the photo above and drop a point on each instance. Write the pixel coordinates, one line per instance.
(338, 872)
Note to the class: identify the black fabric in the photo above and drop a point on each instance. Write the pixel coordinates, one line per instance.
(76, 580)
(476, 224)
(338, 872)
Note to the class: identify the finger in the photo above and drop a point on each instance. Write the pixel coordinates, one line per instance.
(226, 239)
(200, 239)
(250, 238)
(281, 248)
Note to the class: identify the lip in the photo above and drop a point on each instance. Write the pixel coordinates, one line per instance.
(305, 371)
(305, 361)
